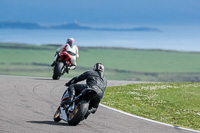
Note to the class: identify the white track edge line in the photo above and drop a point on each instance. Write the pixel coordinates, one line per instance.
(177, 127)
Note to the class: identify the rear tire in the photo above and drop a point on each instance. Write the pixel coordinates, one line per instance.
(78, 114)
(57, 72)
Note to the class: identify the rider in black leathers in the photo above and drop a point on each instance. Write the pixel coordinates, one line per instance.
(95, 80)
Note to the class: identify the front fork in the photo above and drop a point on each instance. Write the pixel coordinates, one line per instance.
(65, 68)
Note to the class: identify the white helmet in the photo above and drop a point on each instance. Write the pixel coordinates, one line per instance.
(98, 67)
(70, 41)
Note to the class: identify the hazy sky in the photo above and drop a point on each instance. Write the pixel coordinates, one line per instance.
(173, 12)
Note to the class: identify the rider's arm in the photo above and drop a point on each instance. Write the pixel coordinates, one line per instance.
(60, 49)
(79, 78)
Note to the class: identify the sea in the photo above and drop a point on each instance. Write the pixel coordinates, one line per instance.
(179, 38)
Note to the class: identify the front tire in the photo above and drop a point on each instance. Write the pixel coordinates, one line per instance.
(56, 116)
(58, 70)
(79, 112)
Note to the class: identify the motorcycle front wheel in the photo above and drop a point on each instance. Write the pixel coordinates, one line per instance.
(56, 116)
(79, 112)
(58, 70)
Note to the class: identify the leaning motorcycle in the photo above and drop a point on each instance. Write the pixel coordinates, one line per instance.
(75, 112)
(61, 65)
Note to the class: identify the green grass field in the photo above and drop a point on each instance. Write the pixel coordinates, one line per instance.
(121, 64)
(172, 103)
(144, 60)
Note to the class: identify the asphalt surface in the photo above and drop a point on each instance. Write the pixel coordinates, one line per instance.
(27, 105)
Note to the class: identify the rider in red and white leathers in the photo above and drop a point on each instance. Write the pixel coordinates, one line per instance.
(71, 49)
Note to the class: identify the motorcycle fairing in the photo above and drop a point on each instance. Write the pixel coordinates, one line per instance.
(63, 115)
(64, 56)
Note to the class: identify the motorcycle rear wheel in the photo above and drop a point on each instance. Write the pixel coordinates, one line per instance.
(79, 112)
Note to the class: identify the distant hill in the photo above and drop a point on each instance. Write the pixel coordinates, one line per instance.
(19, 25)
(75, 26)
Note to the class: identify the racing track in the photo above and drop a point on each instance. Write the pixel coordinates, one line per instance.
(27, 105)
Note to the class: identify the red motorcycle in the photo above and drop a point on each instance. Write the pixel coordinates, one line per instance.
(61, 65)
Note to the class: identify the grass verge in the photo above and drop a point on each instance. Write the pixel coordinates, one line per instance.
(172, 103)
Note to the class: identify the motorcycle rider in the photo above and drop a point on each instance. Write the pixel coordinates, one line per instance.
(95, 80)
(71, 49)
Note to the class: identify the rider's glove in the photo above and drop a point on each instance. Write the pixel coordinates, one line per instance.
(67, 84)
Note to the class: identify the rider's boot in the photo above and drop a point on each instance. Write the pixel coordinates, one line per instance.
(55, 59)
(53, 64)
(69, 100)
(72, 67)
(92, 110)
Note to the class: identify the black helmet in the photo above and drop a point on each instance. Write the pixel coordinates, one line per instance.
(98, 67)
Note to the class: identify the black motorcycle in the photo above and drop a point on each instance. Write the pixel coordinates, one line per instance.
(76, 111)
